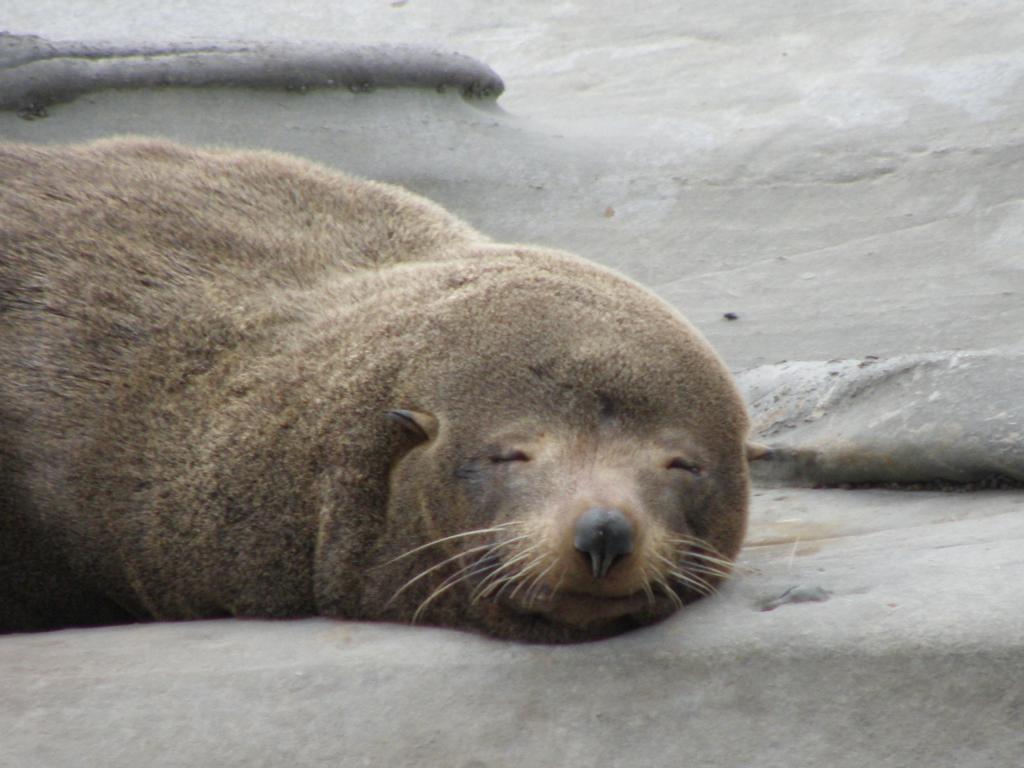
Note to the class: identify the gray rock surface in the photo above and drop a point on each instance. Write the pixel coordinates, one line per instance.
(846, 179)
(909, 662)
(955, 416)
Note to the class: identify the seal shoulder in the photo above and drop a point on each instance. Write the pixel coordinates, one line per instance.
(219, 209)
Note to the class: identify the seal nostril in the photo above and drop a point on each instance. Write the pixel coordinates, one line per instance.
(604, 536)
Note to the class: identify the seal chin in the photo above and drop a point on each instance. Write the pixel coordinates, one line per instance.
(582, 609)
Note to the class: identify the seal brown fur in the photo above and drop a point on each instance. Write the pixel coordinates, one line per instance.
(237, 383)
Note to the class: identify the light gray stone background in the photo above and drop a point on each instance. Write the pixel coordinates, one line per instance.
(846, 177)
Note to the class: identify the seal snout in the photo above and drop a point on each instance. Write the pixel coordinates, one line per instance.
(605, 536)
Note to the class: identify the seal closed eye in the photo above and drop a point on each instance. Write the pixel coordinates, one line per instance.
(240, 384)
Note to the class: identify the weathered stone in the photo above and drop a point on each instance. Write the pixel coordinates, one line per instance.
(909, 663)
(954, 416)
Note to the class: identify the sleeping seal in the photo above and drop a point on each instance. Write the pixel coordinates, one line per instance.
(240, 384)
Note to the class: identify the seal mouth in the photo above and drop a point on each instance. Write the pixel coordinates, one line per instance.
(582, 608)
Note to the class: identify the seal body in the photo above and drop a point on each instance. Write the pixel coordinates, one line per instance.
(239, 384)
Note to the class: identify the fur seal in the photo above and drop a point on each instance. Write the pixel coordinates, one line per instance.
(240, 384)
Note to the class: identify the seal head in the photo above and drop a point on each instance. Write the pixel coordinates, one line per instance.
(578, 457)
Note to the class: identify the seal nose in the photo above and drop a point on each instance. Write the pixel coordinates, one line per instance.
(605, 536)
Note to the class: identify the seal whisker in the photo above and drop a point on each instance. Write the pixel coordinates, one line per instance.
(708, 568)
(561, 578)
(519, 576)
(670, 593)
(498, 584)
(685, 540)
(431, 569)
(683, 572)
(523, 575)
(443, 539)
(534, 590)
(705, 552)
(467, 572)
(696, 582)
(693, 540)
(488, 584)
(677, 601)
(648, 591)
(697, 568)
(673, 572)
(666, 560)
(712, 561)
(445, 586)
(488, 549)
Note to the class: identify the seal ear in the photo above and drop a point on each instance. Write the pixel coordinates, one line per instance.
(758, 451)
(418, 424)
